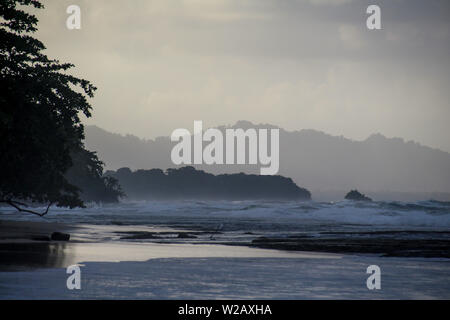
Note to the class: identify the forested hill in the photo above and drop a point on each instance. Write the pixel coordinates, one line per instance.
(323, 163)
(188, 183)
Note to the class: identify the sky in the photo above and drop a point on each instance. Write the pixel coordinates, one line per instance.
(298, 64)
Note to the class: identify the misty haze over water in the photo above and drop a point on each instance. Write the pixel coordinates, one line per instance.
(328, 166)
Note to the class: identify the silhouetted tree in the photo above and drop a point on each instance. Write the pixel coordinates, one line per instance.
(39, 117)
(87, 174)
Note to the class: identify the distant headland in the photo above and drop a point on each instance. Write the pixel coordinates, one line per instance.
(390, 169)
(189, 183)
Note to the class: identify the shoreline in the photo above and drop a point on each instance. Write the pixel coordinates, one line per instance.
(18, 250)
(21, 245)
(30, 230)
(117, 269)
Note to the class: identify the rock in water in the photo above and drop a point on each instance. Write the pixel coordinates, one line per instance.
(185, 235)
(357, 196)
(59, 236)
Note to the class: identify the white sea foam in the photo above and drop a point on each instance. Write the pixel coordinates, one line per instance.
(432, 214)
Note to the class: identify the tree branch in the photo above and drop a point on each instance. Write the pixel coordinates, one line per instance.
(17, 204)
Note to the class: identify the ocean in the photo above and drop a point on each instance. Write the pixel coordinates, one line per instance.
(246, 249)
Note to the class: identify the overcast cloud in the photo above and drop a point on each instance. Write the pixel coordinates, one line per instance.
(160, 65)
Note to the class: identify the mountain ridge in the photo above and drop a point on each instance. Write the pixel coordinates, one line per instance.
(268, 126)
(323, 163)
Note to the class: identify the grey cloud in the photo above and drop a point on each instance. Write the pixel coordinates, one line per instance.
(159, 65)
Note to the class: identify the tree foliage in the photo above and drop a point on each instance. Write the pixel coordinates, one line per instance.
(40, 109)
(87, 174)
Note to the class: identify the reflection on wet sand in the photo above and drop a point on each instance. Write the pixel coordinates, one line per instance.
(16, 256)
(104, 244)
(32, 255)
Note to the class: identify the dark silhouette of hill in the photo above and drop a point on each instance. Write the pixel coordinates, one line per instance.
(188, 183)
(329, 166)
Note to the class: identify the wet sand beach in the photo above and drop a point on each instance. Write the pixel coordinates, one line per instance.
(19, 250)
